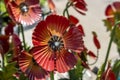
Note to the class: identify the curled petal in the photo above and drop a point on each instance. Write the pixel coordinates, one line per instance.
(109, 11)
(73, 20)
(96, 41)
(84, 64)
(90, 53)
(81, 6)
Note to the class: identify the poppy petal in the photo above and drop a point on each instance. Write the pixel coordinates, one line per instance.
(57, 23)
(41, 35)
(24, 60)
(44, 57)
(73, 40)
(81, 29)
(32, 70)
(65, 61)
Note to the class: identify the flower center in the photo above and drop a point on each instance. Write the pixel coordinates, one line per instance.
(56, 43)
(24, 7)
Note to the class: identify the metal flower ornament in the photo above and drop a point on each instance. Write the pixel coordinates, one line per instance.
(57, 41)
(25, 12)
(53, 39)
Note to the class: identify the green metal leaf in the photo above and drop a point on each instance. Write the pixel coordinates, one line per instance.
(77, 72)
(107, 24)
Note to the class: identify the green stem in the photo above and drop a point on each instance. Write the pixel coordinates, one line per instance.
(23, 36)
(2, 56)
(18, 30)
(109, 46)
(52, 75)
(66, 9)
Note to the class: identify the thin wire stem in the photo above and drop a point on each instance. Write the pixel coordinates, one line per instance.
(52, 75)
(96, 58)
(23, 36)
(66, 9)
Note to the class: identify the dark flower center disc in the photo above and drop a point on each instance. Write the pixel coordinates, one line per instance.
(56, 43)
(24, 8)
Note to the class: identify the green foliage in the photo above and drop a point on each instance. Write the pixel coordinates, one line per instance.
(100, 72)
(42, 2)
(2, 7)
(116, 68)
(23, 77)
(107, 24)
(7, 71)
(77, 72)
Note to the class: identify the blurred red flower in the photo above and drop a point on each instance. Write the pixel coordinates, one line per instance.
(79, 6)
(51, 6)
(4, 43)
(113, 12)
(26, 12)
(28, 65)
(108, 74)
(16, 46)
(9, 28)
(54, 40)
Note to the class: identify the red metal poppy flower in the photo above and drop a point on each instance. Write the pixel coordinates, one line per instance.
(52, 39)
(79, 6)
(26, 12)
(30, 67)
(113, 12)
